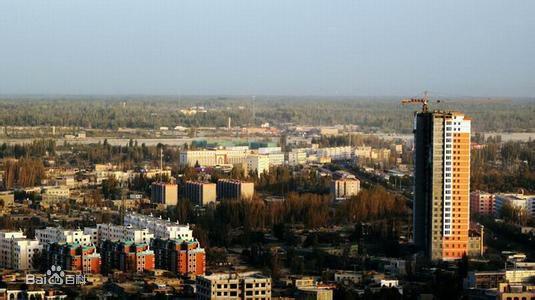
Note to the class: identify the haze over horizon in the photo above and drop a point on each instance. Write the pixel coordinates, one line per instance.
(239, 47)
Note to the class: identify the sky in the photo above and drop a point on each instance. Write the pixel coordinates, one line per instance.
(268, 47)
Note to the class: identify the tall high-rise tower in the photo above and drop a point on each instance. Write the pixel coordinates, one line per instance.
(441, 208)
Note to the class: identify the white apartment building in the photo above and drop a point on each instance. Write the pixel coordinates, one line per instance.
(122, 233)
(524, 202)
(50, 235)
(336, 153)
(163, 229)
(93, 234)
(267, 150)
(233, 286)
(258, 163)
(297, 157)
(276, 158)
(16, 251)
(344, 188)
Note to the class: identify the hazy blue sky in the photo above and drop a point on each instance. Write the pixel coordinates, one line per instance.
(328, 47)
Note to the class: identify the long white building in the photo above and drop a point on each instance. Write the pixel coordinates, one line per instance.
(50, 235)
(16, 251)
(210, 158)
(521, 201)
(336, 153)
(122, 233)
(160, 228)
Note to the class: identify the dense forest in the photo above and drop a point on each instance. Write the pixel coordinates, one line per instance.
(152, 112)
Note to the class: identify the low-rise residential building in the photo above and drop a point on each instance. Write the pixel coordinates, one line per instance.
(160, 228)
(50, 235)
(200, 193)
(233, 286)
(258, 163)
(179, 256)
(336, 153)
(16, 251)
(230, 189)
(126, 256)
(118, 233)
(52, 195)
(344, 188)
(507, 291)
(482, 203)
(346, 277)
(363, 152)
(520, 201)
(297, 157)
(73, 257)
(314, 293)
(484, 279)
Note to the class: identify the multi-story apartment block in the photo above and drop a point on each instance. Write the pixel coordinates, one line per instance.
(163, 229)
(126, 256)
(164, 193)
(179, 256)
(233, 286)
(50, 235)
(234, 189)
(16, 251)
(73, 257)
(297, 157)
(363, 152)
(482, 203)
(344, 188)
(200, 193)
(336, 153)
(441, 184)
(258, 163)
(119, 233)
(519, 201)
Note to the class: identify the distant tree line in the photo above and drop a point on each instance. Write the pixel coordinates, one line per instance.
(152, 112)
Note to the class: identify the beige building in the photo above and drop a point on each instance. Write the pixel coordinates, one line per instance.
(200, 193)
(164, 193)
(258, 163)
(234, 189)
(363, 152)
(297, 157)
(314, 293)
(233, 286)
(344, 188)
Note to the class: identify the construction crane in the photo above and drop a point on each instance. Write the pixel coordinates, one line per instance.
(424, 101)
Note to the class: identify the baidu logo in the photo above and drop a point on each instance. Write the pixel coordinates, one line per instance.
(55, 276)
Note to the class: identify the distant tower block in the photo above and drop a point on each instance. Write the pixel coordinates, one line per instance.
(229, 122)
(53, 130)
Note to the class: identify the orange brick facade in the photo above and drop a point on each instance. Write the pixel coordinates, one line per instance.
(182, 257)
